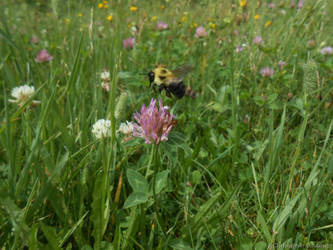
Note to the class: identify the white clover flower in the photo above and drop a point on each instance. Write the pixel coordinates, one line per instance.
(102, 129)
(126, 128)
(22, 94)
(105, 86)
(105, 75)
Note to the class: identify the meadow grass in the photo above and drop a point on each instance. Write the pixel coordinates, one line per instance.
(249, 164)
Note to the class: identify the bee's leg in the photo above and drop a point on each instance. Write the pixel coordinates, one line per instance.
(160, 89)
(167, 93)
(154, 88)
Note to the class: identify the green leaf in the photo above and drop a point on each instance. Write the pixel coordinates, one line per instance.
(135, 198)
(117, 237)
(51, 235)
(125, 74)
(261, 245)
(285, 214)
(161, 181)
(204, 209)
(106, 246)
(263, 225)
(196, 177)
(137, 181)
(33, 243)
(132, 228)
(100, 210)
(72, 230)
(179, 244)
(16, 217)
(86, 247)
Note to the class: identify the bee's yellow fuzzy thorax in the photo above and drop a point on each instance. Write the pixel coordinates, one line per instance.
(162, 75)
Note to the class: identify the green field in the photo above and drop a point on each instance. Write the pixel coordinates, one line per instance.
(245, 164)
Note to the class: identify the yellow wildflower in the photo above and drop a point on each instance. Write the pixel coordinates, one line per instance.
(100, 5)
(133, 8)
(184, 19)
(80, 14)
(212, 25)
(153, 18)
(67, 20)
(194, 25)
(109, 18)
(268, 23)
(162, 7)
(105, 2)
(243, 3)
(256, 17)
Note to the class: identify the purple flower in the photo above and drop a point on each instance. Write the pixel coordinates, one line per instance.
(239, 49)
(257, 40)
(128, 43)
(153, 124)
(267, 72)
(300, 4)
(326, 50)
(282, 64)
(162, 26)
(43, 56)
(200, 32)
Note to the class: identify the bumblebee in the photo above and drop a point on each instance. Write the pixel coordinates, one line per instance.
(170, 81)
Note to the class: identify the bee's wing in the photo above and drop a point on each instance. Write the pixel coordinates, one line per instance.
(183, 70)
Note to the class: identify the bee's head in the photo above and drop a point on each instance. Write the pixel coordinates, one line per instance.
(151, 76)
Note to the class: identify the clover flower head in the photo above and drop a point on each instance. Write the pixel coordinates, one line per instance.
(105, 86)
(134, 30)
(300, 4)
(267, 72)
(102, 129)
(105, 76)
(258, 40)
(126, 128)
(128, 43)
(282, 64)
(162, 26)
(153, 124)
(43, 56)
(200, 32)
(311, 43)
(326, 50)
(22, 94)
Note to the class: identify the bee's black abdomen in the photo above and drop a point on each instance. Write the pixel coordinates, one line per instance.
(178, 89)
(151, 76)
